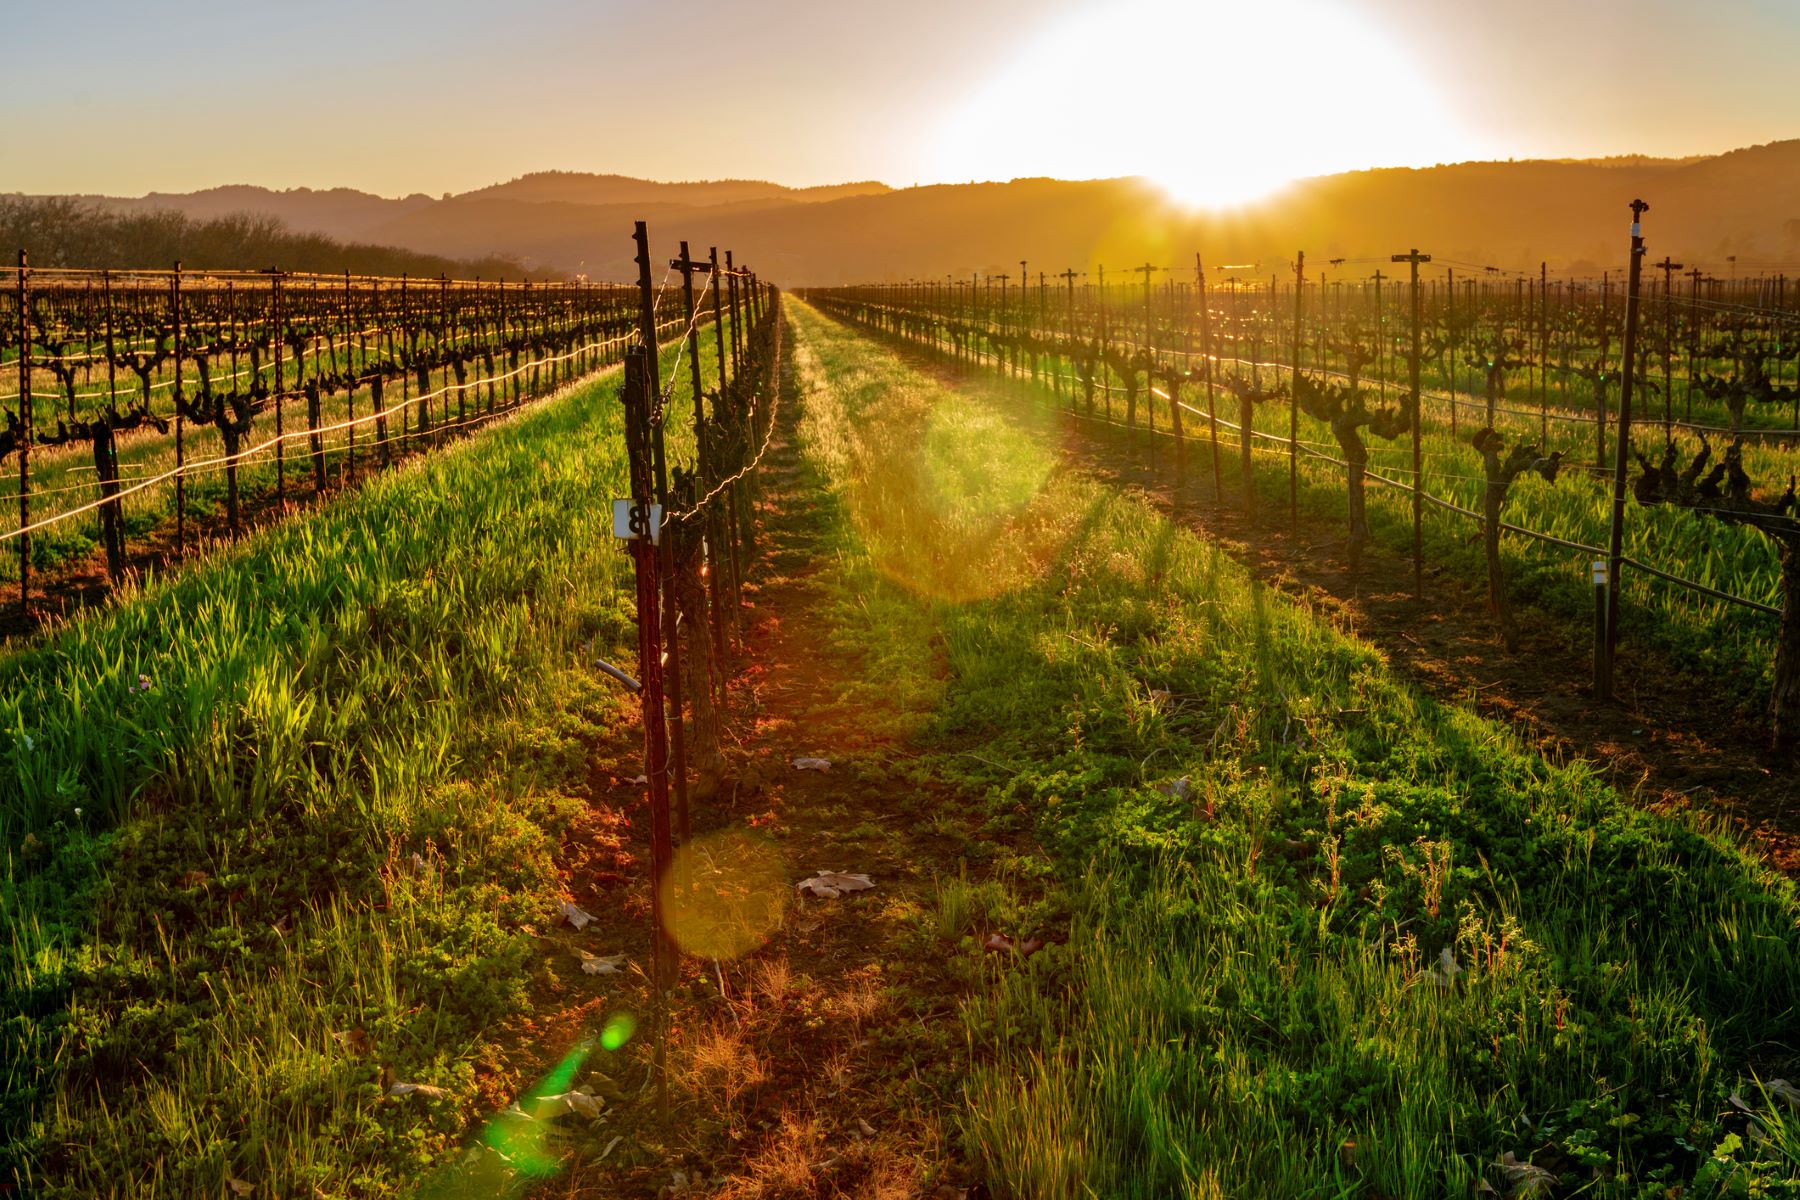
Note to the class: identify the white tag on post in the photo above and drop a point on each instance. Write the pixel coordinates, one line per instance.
(634, 521)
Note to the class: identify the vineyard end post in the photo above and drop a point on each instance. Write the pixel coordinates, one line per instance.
(1622, 456)
(641, 389)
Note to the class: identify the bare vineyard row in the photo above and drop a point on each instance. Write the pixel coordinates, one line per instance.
(130, 400)
(1455, 396)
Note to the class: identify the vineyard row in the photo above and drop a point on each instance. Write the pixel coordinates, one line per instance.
(1350, 381)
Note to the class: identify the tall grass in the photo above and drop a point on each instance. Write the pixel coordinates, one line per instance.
(278, 826)
(1368, 946)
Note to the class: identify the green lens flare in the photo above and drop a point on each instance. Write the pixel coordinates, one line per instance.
(618, 1030)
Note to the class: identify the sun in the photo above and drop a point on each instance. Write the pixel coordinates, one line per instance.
(1221, 103)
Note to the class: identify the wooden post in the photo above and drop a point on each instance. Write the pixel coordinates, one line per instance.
(1206, 364)
(277, 341)
(734, 497)
(180, 457)
(1294, 391)
(349, 384)
(113, 525)
(1600, 375)
(684, 591)
(315, 441)
(1668, 267)
(25, 436)
(641, 389)
(1615, 535)
(1414, 258)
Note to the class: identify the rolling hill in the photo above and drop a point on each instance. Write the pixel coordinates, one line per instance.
(1512, 215)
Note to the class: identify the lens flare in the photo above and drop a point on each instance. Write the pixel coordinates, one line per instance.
(724, 894)
(946, 494)
(619, 1028)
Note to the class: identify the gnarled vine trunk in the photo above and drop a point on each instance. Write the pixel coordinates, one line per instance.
(1784, 698)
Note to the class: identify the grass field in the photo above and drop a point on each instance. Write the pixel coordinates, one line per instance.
(288, 825)
(1313, 935)
(280, 826)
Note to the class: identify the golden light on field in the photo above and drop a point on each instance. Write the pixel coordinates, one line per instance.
(1218, 101)
(724, 894)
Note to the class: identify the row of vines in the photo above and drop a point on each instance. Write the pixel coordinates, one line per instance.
(145, 411)
(1514, 426)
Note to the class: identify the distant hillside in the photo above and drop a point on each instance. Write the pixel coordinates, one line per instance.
(66, 232)
(570, 187)
(1512, 215)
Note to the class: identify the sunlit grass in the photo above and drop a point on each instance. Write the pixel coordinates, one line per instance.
(279, 826)
(1251, 995)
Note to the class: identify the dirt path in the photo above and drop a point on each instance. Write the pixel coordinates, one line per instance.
(824, 1062)
(1665, 740)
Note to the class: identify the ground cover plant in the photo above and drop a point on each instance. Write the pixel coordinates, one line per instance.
(1321, 936)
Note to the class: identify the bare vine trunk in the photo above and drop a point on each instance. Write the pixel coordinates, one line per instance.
(1784, 699)
(1355, 476)
(106, 468)
(1498, 603)
(690, 596)
(1246, 423)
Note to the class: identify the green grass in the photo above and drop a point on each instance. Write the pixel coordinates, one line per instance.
(309, 786)
(1243, 1001)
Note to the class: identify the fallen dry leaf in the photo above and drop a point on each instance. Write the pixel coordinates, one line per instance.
(829, 885)
(577, 1102)
(1444, 973)
(999, 943)
(1180, 789)
(601, 964)
(1523, 1178)
(356, 1041)
(576, 917)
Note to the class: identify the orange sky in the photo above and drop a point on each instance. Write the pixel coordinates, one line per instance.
(1217, 99)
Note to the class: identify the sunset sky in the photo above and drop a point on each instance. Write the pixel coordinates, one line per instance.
(1219, 101)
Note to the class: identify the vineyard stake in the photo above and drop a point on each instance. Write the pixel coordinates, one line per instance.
(276, 338)
(671, 614)
(1693, 342)
(733, 494)
(25, 435)
(705, 468)
(1615, 535)
(350, 385)
(1668, 267)
(1600, 380)
(641, 388)
(1294, 392)
(180, 459)
(1450, 336)
(115, 527)
(1206, 363)
(1414, 258)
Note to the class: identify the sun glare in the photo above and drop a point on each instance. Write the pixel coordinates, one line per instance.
(1220, 103)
